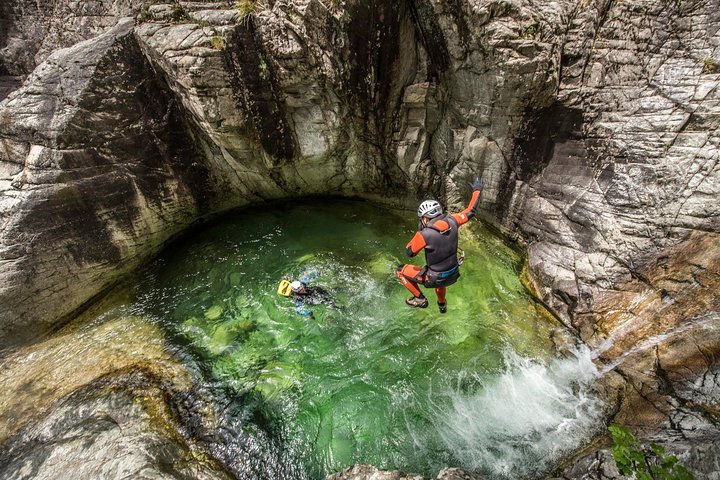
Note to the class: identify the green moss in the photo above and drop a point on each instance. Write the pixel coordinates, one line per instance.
(218, 42)
(710, 66)
(246, 8)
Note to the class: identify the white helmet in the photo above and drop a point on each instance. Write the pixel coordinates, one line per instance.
(296, 286)
(430, 209)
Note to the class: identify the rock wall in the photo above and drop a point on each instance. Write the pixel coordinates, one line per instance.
(625, 165)
(97, 170)
(31, 30)
(593, 122)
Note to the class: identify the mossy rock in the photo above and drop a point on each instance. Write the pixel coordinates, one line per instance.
(221, 340)
(241, 367)
(242, 324)
(226, 334)
(242, 301)
(196, 330)
(194, 322)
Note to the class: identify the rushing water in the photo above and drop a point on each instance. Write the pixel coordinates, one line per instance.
(365, 378)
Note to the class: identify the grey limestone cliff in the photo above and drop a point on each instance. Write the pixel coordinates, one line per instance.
(594, 124)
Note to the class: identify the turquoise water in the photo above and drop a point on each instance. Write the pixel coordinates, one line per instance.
(365, 379)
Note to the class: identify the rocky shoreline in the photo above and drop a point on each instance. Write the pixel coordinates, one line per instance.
(593, 123)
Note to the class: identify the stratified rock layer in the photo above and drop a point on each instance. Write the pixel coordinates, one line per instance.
(594, 124)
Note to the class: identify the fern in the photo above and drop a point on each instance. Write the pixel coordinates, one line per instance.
(643, 463)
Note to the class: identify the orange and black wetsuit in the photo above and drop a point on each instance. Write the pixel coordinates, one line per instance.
(439, 239)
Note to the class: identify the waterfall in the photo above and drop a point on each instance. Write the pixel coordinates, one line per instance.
(522, 421)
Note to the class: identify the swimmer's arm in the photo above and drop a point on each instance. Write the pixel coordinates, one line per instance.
(416, 244)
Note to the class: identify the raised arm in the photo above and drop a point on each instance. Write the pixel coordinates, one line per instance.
(469, 212)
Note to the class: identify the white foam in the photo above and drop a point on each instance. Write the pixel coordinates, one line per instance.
(522, 421)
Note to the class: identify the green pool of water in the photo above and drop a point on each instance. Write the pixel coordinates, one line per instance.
(365, 379)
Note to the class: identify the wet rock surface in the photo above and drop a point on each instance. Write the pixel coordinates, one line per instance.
(33, 380)
(594, 126)
(110, 409)
(368, 472)
(659, 348)
(104, 433)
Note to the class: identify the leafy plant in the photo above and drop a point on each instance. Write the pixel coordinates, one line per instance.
(178, 14)
(643, 463)
(530, 31)
(263, 69)
(144, 16)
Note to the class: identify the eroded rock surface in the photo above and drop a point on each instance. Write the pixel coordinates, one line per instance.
(628, 167)
(96, 170)
(593, 123)
(31, 30)
(102, 412)
(104, 433)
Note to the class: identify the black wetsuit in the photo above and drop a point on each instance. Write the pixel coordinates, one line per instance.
(311, 296)
(314, 296)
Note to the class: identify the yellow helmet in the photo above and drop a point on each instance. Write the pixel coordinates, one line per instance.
(284, 288)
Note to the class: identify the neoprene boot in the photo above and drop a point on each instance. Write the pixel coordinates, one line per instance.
(419, 302)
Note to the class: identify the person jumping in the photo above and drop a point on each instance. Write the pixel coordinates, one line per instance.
(438, 235)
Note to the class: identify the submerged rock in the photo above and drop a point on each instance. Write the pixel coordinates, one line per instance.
(36, 378)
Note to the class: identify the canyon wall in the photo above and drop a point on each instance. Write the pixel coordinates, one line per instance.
(593, 122)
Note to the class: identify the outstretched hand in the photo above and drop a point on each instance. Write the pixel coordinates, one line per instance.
(477, 184)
